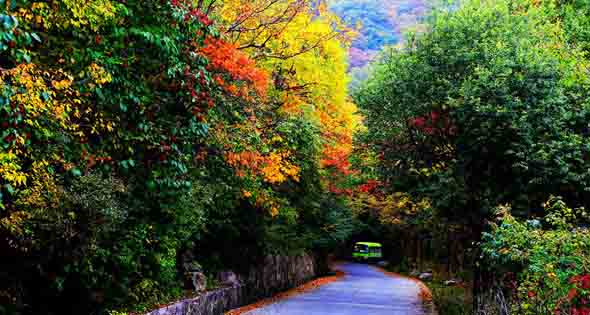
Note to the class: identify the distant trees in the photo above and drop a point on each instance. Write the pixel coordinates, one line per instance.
(375, 19)
(379, 23)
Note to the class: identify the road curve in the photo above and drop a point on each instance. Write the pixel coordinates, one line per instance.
(363, 291)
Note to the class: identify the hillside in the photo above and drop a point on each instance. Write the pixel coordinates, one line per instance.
(381, 23)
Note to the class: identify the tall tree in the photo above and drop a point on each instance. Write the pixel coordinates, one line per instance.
(487, 107)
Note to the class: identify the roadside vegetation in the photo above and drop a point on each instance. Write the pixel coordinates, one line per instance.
(138, 137)
(451, 300)
(478, 135)
(141, 139)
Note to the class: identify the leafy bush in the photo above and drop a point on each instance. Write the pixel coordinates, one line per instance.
(451, 300)
(550, 266)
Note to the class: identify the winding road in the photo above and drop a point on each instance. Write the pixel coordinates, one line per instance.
(363, 291)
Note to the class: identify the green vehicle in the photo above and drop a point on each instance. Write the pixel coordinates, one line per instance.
(367, 251)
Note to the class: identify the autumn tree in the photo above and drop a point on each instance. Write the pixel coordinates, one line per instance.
(263, 26)
(474, 129)
(133, 132)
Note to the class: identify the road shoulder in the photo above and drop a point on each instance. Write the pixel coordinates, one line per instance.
(304, 288)
(425, 294)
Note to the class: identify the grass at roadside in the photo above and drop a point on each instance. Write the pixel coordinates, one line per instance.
(451, 300)
(448, 299)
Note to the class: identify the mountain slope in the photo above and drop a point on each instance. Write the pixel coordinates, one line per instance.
(380, 22)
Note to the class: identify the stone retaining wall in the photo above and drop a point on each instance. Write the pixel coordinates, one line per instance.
(277, 273)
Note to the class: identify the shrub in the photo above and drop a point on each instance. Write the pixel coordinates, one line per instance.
(550, 265)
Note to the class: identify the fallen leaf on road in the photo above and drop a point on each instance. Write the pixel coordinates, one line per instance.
(308, 287)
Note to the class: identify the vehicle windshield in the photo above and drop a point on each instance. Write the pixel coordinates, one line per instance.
(376, 250)
(361, 248)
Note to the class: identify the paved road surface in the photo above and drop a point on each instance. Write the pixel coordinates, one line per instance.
(363, 291)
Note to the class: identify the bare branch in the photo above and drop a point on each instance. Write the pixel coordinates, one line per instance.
(257, 27)
(211, 7)
(302, 51)
(238, 22)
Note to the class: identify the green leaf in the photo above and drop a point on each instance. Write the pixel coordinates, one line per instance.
(9, 188)
(14, 20)
(36, 37)
(99, 93)
(76, 172)
(7, 22)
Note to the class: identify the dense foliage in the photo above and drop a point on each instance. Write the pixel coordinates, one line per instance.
(489, 106)
(134, 130)
(135, 134)
(502, 120)
(551, 256)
